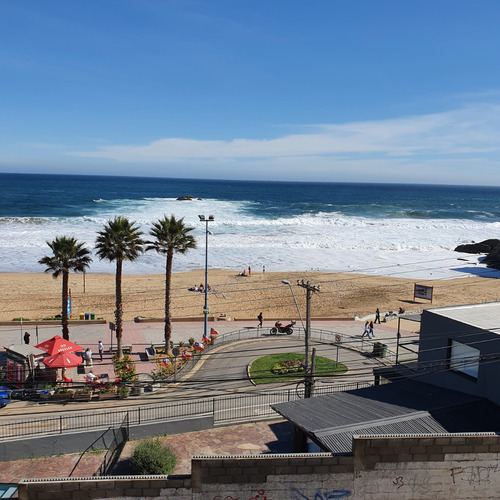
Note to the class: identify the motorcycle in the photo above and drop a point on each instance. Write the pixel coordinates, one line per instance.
(279, 328)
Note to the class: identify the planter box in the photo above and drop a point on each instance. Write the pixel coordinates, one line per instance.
(106, 395)
(136, 391)
(82, 396)
(61, 396)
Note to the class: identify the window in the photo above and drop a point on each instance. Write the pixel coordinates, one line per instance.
(464, 359)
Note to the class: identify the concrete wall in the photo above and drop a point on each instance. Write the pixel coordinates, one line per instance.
(46, 446)
(464, 466)
(435, 333)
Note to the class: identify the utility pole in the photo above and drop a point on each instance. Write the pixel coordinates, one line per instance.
(309, 368)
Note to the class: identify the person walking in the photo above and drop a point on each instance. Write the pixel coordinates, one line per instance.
(370, 330)
(260, 318)
(249, 271)
(377, 316)
(88, 356)
(100, 348)
(366, 330)
(26, 338)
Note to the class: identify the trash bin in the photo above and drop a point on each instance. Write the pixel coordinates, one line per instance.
(92, 315)
(82, 316)
(87, 316)
(383, 350)
(377, 349)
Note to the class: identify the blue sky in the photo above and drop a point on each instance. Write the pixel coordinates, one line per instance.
(331, 90)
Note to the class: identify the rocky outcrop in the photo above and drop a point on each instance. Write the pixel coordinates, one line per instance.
(493, 258)
(490, 247)
(485, 246)
(187, 197)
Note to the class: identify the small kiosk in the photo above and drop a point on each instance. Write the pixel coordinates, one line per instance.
(22, 363)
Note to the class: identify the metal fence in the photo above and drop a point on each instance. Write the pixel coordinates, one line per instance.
(113, 452)
(363, 345)
(223, 410)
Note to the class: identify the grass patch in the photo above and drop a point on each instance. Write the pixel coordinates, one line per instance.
(261, 371)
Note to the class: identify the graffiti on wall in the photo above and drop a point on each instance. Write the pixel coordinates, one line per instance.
(260, 495)
(297, 495)
(321, 495)
(413, 484)
(474, 474)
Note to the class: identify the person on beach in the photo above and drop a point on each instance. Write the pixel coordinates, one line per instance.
(263, 269)
(26, 338)
(100, 348)
(377, 316)
(370, 330)
(249, 271)
(366, 330)
(260, 318)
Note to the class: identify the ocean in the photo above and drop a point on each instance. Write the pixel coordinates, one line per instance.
(382, 229)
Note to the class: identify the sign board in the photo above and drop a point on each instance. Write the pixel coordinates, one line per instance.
(175, 351)
(422, 292)
(69, 307)
(338, 338)
(111, 326)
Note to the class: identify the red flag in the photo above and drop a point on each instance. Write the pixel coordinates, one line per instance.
(186, 355)
(213, 331)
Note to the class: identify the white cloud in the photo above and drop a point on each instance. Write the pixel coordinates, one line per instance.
(473, 129)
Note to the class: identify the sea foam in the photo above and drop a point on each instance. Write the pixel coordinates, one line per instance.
(410, 247)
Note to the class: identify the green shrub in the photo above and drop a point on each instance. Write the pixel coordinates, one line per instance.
(152, 457)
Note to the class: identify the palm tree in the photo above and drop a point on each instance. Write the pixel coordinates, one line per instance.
(68, 255)
(171, 236)
(119, 240)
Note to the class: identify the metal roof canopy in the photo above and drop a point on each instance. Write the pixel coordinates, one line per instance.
(25, 350)
(483, 316)
(405, 407)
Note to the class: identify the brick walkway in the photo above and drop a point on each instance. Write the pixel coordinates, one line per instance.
(244, 439)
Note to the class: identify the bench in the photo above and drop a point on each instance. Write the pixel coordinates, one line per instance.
(150, 353)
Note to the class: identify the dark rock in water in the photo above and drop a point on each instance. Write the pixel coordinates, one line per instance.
(493, 258)
(485, 246)
(185, 197)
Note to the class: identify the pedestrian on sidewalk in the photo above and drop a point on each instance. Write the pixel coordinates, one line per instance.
(366, 330)
(100, 348)
(88, 356)
(370, 330)
(260, 318)
(377, 316)
(26, 338)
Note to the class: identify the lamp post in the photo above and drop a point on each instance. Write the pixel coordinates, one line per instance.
(310, 289)
(206, 309)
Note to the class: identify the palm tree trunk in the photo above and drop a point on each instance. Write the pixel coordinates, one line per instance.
(168, 279)
(64, 308)
(119, 308)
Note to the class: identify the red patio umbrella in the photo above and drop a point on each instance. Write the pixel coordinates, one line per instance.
(63, 360)
(57, 344)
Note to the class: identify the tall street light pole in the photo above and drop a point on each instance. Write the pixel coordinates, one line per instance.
(206, 309)
(310, 289)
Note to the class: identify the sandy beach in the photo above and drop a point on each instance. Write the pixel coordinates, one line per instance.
(38, 296)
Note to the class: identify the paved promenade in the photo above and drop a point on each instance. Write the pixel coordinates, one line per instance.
(142, 335)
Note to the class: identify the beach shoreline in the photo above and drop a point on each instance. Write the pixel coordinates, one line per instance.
(37, 296)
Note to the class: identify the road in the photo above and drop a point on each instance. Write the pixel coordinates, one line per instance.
(223, 371)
